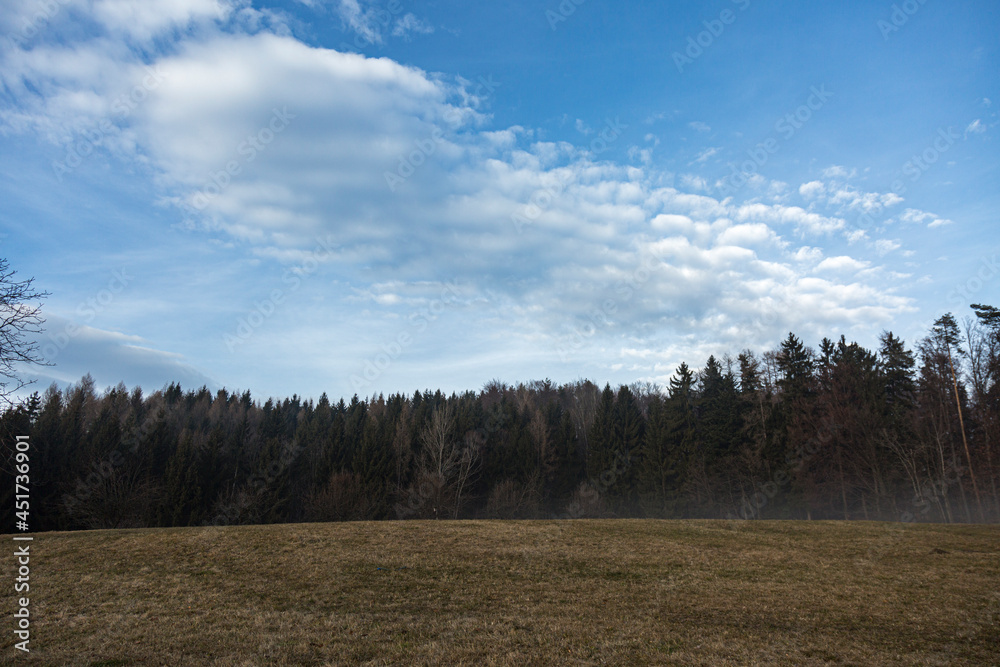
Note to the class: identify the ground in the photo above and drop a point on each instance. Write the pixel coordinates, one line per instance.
(515, 593)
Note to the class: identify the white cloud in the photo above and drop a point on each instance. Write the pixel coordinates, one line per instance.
(110, 356)
(808, 254)
(884, 246)
(706, 154)
(975, 127)
(693, 182)
(804, 221)
(364, 21)
(672, 261)
(673, 223)
(837, 171)
(143, 20)
(914, 216)
(655, 118)
(699, 126)
(855, 235)
(748, 235)
(411, 24)
(643, 155)
(867, 202)
(812, 189)
(842, 264)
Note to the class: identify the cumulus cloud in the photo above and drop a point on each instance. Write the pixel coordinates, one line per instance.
(812, 189)
(884, 246)
(693, 182)
(276, 143)
(842, 264)
(803, 221)
(866, 202)
(915, 216)
(749, 235)
(838, 172)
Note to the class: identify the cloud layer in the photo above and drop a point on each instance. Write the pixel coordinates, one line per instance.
(248, 132)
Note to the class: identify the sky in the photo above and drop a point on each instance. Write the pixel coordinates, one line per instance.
(380, 196)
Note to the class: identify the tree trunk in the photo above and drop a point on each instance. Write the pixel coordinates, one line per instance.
(965, 441)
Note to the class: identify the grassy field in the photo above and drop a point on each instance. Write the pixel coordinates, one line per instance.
(515, 593)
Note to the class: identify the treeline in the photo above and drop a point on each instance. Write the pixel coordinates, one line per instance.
(841, 432)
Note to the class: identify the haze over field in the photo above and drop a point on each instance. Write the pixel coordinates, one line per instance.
(367, 196)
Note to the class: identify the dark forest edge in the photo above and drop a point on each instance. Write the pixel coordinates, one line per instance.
(839, 433)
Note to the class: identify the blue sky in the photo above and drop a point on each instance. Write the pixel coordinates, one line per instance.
(364, 196)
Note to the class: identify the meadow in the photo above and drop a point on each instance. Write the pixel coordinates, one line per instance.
(584, 592)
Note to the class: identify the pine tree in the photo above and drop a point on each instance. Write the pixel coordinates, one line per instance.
(658, 476)
(627, 442)
(795, 362)
(896, 364)
(600, 451)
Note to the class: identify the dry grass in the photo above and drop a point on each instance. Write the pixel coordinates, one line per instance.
(516, 593)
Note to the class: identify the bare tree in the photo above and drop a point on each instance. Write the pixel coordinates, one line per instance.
(447, 464)
(510, 499)
(946, 332)
(20, 319)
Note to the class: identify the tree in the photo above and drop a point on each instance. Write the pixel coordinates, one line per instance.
(795, 362)
(448, 464)
(20, 319)
(946, 332)
(600, 441)
(896, 364)
(983, 338)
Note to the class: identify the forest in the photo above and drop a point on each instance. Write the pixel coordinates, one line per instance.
(837, 432)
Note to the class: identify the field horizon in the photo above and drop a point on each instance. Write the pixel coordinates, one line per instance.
(574, 592)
